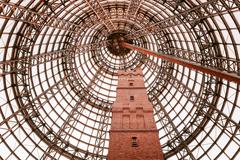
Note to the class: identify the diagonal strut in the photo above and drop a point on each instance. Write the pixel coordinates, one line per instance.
(192, 65)
(101, 14)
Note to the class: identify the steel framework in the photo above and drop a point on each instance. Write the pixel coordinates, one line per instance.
(58, 78)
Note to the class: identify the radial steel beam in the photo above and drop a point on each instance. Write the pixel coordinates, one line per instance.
(28, 105)
(192, 65)
(36, 19)
(133, 8)
(189, 15)
(223, 63)
(62, 130)
(101, 14)
(10, 66)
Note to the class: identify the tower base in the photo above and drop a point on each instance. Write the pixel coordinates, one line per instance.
(145, 147)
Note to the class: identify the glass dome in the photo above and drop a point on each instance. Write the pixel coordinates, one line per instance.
(59, 75)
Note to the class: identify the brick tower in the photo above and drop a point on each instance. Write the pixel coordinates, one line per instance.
(133, 134)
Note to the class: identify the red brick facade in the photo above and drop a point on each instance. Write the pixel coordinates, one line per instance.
(133, 134)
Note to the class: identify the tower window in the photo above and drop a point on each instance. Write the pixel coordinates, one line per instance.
(130, 84)
(131, 98)
(134, 142)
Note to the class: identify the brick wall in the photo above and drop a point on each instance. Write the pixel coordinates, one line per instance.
(133, 134)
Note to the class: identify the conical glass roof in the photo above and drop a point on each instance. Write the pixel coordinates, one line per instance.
(59, 64)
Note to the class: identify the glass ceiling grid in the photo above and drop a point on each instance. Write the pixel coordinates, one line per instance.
(42, 92)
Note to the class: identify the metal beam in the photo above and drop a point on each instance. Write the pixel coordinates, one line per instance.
(61, 133)
(101, 14)
(36, 19)
(11, 66)
(192, 65)
(192, 16)
(222, 63)
(133, 8)
(29, 105)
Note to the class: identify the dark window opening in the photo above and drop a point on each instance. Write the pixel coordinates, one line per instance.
(130, 84)
(134, 142)
(132, 98)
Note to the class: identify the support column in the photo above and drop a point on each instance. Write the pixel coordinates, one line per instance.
(133, 134)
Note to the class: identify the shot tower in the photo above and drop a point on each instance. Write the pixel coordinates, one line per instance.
(133, 133)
